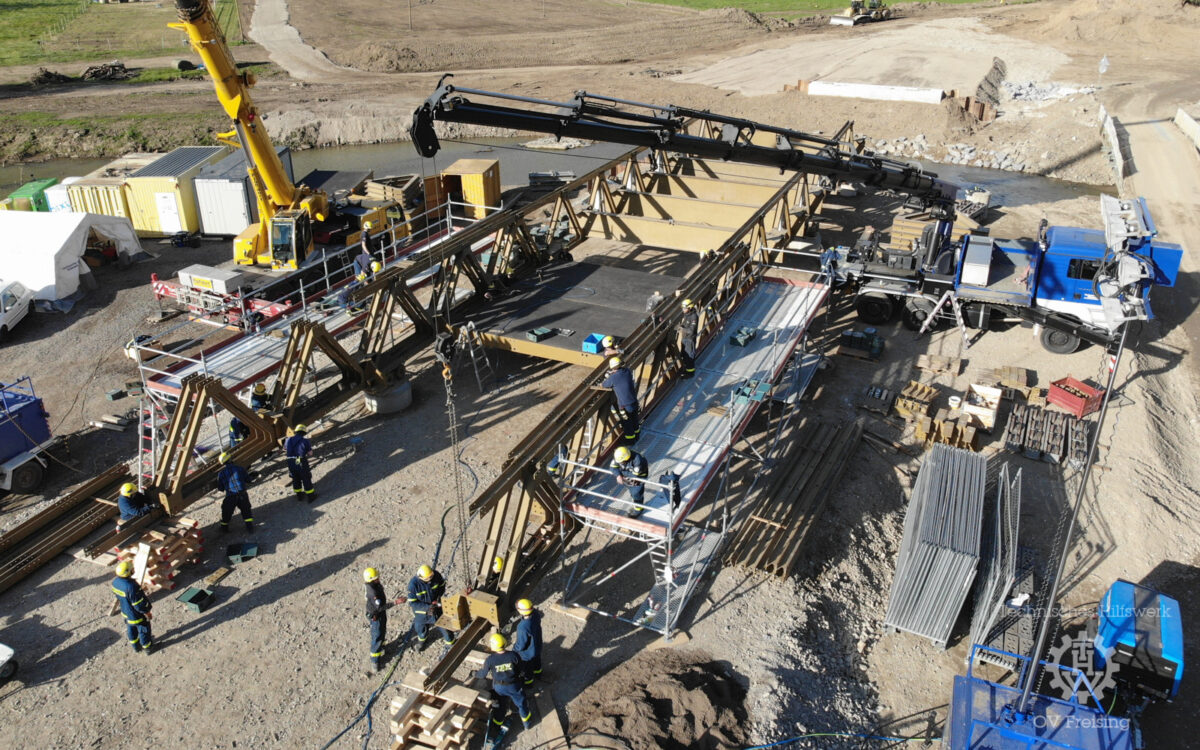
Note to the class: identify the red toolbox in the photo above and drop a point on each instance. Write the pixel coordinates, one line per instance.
(1075, 397)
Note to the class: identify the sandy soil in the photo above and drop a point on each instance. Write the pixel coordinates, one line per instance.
(280, 661)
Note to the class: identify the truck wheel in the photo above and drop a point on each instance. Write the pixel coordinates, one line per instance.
(8, 670)
(875, 308)
(27, 477)
(915, 313)
(1059, 342)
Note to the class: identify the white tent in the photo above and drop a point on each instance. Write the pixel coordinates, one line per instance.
(44, 251)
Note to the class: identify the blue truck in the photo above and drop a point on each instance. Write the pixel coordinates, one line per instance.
(1076, 284)
(24, 437)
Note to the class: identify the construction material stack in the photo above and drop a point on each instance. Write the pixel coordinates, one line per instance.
(445, 719)
(157, 555)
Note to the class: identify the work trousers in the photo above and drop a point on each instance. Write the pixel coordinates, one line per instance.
(630, 426)
(378, 635)
(637, 493)
(138, 632)
(423, 621)
(531, 668)
(301, 476)
(516, 694)
(687, 351)
(241, 501)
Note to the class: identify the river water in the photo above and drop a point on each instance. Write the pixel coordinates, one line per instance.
(516, 162)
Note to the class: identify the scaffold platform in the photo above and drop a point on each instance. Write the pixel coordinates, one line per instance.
(700, 419)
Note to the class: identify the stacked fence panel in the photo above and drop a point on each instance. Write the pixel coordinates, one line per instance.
(940, 553)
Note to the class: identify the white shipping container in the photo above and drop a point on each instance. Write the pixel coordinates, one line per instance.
(57, 197)
(225, 197)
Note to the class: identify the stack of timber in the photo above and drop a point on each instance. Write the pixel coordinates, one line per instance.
(403, 189)
(157, 555)
(939, 365)
(437, 720)
(1013, 381)
(773, 533)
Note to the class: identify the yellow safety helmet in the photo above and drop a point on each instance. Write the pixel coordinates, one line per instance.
(124, 569)
(224, 457)
(524, 606)
(608, 342)
(497, 642)
(622, 454)
(300, 429)
(376, 266)
(260, 389)
(614, 363)
(370, 574)
(498, 565)
(128, 489)
(687, 304)
(366, 225)
(425, 572)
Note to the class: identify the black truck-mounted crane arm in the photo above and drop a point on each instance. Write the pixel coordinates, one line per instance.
(610, 120)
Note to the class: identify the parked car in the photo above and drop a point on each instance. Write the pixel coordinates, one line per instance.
(15, 303)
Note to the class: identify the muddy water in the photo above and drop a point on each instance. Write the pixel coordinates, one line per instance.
(516, 162)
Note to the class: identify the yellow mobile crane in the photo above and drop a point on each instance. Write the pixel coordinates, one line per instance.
(288, 213)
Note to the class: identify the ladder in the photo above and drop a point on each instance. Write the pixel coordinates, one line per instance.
(470, 345)
(152, 419)
(948, 296)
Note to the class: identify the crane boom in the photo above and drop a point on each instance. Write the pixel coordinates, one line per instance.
(612, 120)
(233, 91)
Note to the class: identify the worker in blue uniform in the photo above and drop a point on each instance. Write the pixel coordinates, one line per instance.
(689, 324)
(260, 400)
(238, 431)
(620, 380)
(132, 503)
(425, 592)
(505, 667)
(527, 643)
(632, 470)
(234, 480)
(377, 606)
(135, 607)
(298, 449)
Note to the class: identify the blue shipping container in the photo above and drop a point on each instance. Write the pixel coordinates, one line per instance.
(24, 424)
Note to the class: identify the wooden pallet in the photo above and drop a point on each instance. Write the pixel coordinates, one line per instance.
(850, 351)
(939, 365)
(157, 555)
(914, 401)
(443, 720)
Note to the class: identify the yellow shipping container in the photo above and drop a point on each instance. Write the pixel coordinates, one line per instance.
(474, 181)
(103, 191)
(162, 195)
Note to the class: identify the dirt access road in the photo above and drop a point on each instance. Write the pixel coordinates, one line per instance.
(279, 662)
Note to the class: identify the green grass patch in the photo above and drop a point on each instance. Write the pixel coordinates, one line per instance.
(56, 31)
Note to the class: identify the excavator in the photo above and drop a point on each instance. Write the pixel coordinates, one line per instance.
(291, 217)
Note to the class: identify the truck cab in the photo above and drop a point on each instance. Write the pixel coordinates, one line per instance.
(15, 303)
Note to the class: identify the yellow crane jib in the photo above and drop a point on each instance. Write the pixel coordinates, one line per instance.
(284, 235)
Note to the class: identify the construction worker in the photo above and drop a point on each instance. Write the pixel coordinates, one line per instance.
(298, 448)
(233, 481)
(132, 503)
(632, 469)
(134, 606)
(620, 380)
(425, 592)
(527, 643)
(689, 324)
(238, 431)
(505, 667)
(362, 261)
(344, 297)
(260, 400)
(377, 605)
(608, 347)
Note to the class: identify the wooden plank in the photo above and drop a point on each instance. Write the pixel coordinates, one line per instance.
(550, 728)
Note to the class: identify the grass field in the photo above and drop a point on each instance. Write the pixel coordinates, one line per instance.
(49, 31)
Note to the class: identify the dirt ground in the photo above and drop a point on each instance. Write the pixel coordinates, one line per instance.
(279, 662)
